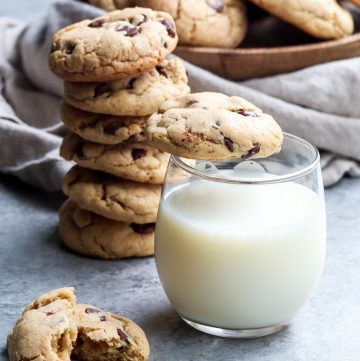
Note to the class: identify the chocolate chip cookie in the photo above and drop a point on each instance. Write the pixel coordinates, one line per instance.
(213, 126)
(117, 45)
(46, 330)
(119, 337)
(112, 197)
(138, 162)
(213, 23)
(134, 96)
(324, 19)
(93, 235)
(103, 128)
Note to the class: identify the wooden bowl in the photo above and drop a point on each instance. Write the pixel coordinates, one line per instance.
(271, 47)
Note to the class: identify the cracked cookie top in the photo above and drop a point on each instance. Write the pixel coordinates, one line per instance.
(112, 197)
(138, 162)
(92, 235)
(213, 23)
(213, 126)
(103, 128)
(324, 19)
(133, 96)
(46, 330)
(113, 46)
(119, 337)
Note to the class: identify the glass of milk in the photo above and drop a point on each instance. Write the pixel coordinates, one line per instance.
(240, 244)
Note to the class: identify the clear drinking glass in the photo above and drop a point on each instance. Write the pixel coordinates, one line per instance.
(240, 244)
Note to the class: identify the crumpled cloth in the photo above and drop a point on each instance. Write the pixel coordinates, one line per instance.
(320, 103)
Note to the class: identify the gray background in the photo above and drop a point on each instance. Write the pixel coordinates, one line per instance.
(33, 260)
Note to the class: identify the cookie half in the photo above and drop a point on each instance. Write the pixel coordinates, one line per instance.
(93, 235)
(213, 126)
(113, 46)
(138, 162)
(133, 96)
(103, 128)
(112, 197)
(119, 337)
(324, 19)
(46, 330)
(212, 23)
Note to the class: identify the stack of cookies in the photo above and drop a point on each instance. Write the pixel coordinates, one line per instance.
(116, 76)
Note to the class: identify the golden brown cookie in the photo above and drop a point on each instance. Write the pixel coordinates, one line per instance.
(93, 235)
(112, 197)
(119, 337)
(103, 128)
(213, 126)
(135, 96)
(212, 23)
(113, 46)
(324, 19)
(138, 162)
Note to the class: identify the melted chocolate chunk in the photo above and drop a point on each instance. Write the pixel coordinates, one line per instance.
(128, 30)
(123, 335)
(169, 27)
(251, 152)
(161, 70)
(92, 310)
(137, 153)
(70, 48)
(111, 128)
(143, 228)
(191, 102)
(247, 113)
(102, 318)
(97, 24)
(217, 5)
(50, 313)
(135, 138)
(165, 45)
(101, 89)
(229, 144)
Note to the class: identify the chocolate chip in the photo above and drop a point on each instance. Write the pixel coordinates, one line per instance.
(191, 102)
(131, 83)
(229, 144)
(70, 48)
(122, 335)
(161, 70)
(111, 128)
(128, 30)
(217, 5)
(102, 318)
(169, 27)
(251, 152)
(135, 138)
(218, 123)
(247, 113)
(92, 310)
(165, 45)
(97, 24)
(101, 89)
(137, 153)
(50, 313)
(139, 19)
(143, 228)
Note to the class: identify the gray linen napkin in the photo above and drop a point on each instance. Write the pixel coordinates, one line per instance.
(320, 104)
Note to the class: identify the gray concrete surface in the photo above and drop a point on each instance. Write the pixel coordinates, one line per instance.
(33, 260)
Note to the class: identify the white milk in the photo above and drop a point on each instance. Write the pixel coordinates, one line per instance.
(240, 256)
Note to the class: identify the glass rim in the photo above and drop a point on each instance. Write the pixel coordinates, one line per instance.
(291, 176)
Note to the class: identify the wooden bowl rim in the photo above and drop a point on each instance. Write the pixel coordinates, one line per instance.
(278, 49)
